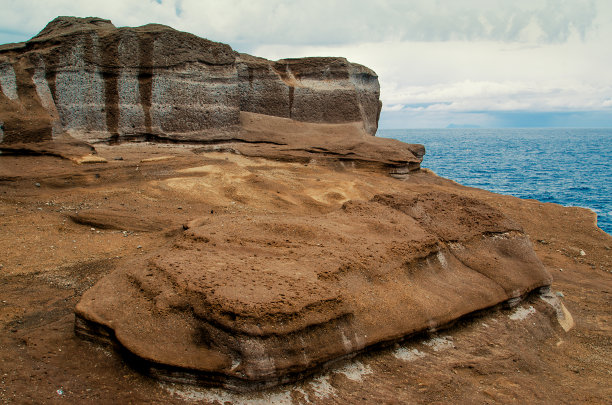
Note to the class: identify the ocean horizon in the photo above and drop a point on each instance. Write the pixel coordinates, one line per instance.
(566, 166)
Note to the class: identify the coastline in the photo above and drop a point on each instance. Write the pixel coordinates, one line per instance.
(522, 353)
(566, 166)
(178, 215)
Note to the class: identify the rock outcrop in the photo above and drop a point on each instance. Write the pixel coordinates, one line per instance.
(251, 303)
(99, 83)
(256, 298)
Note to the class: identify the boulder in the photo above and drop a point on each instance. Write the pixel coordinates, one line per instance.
(248, 303)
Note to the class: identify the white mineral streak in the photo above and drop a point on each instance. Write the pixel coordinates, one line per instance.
(321, 387)
(440, 343)
(216, 395)
(8, 81)
(406, 354)
(355, 371)
(442, 259)
(521, 313)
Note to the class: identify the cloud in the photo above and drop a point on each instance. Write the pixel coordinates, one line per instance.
(480, 75)
(323, 22)
(394, 107)
(500, 96)
(433, 57)
(494, 119)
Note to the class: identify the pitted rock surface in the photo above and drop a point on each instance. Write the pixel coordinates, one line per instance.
(97, 83)
(250, 302)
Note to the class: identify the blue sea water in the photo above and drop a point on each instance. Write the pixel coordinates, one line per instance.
(571, 167)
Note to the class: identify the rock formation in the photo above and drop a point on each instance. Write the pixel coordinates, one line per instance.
(258, 302)
(99, 83)
(264, 296)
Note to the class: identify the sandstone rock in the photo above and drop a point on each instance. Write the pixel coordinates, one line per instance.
(286, 139)
(330, 90)
(63, 146)
(100, 83)
(118, 219)
(97, 82)
(253, 303)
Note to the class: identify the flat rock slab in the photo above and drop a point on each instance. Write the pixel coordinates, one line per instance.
(248, 302)
(117, 218)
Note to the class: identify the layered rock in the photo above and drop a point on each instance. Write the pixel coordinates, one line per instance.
(324, 90)
(99, 82)
(254, 299)
(253, 302)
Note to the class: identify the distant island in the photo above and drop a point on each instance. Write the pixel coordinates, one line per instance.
(450, 126)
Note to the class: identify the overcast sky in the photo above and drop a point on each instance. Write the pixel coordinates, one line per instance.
(489, 63)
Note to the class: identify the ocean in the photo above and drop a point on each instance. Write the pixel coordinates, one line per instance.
(571, 167)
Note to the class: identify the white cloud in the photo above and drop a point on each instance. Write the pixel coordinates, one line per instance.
(481, 75)
(432, 57)
(322, 22)
(393, 107)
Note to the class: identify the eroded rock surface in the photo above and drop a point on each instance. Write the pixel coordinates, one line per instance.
(253, 299)
(250, 302)
(84, 80)
(96, 82)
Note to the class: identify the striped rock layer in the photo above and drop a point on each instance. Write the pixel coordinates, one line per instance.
(97, 82)
(252, 303)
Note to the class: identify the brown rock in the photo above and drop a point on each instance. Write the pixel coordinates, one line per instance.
(118, 219)
(98, 83)
(253, 303)
(254, 299)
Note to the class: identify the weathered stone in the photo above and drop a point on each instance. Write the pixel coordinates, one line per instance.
(251, 304)
(99, 83)
(251, 301)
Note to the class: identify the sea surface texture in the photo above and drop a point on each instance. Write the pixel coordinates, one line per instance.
(571, 167)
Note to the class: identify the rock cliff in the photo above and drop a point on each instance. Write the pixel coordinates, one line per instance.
(298, 264)
(97, 83)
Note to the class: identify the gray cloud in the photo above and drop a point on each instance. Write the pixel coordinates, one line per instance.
(435, 58)
(348, 21)
(323, 22)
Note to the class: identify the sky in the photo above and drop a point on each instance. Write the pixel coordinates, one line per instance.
(481, 63)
